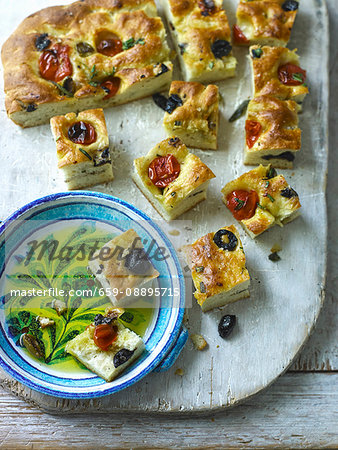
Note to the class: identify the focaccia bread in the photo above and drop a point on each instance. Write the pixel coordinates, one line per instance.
(276, 72)
(82, 146)
(260, 199)
(217, 263)
(171, 178)
(92, 53)
(195, 122)
(106, 347)
(272, 133)
(122, 267)
(201, 36)
(265, 22)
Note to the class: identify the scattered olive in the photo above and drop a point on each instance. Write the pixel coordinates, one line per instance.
(122, 357)
(256, 52)
(127, 317)
(173, 102)
(207, 7)
(226, 325)
(174, 141)
(274, 257)
(32, 345)
(42, 41)
(84, 49)
(288, 193)
(160, 101)
(69, 85)
(182, 48)
(103, 158)
(203, 289)
(290, 5)
(100, 320)
(218, 240)
(285, 155)
(164, 69)
(221, 48)
(31, 107)
(137, 262)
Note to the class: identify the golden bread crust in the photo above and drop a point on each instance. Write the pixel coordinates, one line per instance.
(265, 21)
(273, 208)
(265, 73)
(68, 152)
(279, 121)
(83, 21)
(217, 269)
(193, 173)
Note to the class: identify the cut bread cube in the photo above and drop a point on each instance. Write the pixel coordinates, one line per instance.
(273, 69)
(217, 263)
(109, 363)
(260, 199)
(122, 267)
(196, 121)
(264, 22)
(272, 133)
(179, 178)
(201, 36)
(82, 146)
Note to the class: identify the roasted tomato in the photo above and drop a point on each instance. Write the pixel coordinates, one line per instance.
(82, 133)
(253, 130)
(105, 335)
(109, 47)
(242, 204)
(111, 87)
(239, 36)
(54, 63)
(163, 170)
(291, 75)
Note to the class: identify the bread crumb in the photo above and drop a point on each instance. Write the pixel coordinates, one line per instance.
(174, 232)
(199, 342)
(276, 248)
(59, 306)
(179, 372)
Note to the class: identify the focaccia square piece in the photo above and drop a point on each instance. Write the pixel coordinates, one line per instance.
(171, 178)
(260, 199)
(82, 146)
(106, 347)
(201, 36)
(89, 54)
(265, 22)
(217, 263)
(122, 267)
(276, 72)
(272, 133)
(195, 122)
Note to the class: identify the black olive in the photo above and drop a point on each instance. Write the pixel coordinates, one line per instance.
(271, 173)
(137, 262)
(182, 48)
(221, 48)
(286, 155)
(274, 257)
(256, 52)
(127, 317)
(207, 7)
(160, 101)
(290, 5)
(69, 85)
(84, 49)
(32, 107)
(100, 320)
(122, 357)
(103, 158)
(288, 193)
(218, 239)
(174, 141)
(164, 69)
(42, 41)
(226, 325)
(173, 102)
(77, 131)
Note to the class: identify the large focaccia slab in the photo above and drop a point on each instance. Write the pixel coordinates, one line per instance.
(92, 53)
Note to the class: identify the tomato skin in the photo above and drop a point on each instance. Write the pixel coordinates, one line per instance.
(82, 133)
(242, 204)
(239, 36)
(111, 86)
(54, 63)
(109, 47)
(104, 335)
(164, 170)
(253, 130)
(286, 72)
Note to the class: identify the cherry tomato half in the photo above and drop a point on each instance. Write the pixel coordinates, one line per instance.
(239, 36)
(82, 133)
(253, 130)
(291, 75)
(54, 63)
(104, 335)
(242, 204)
(163, 170)
(111, 86)
(109, 47)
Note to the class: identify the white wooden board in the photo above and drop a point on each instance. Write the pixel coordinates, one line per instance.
(285, 297)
